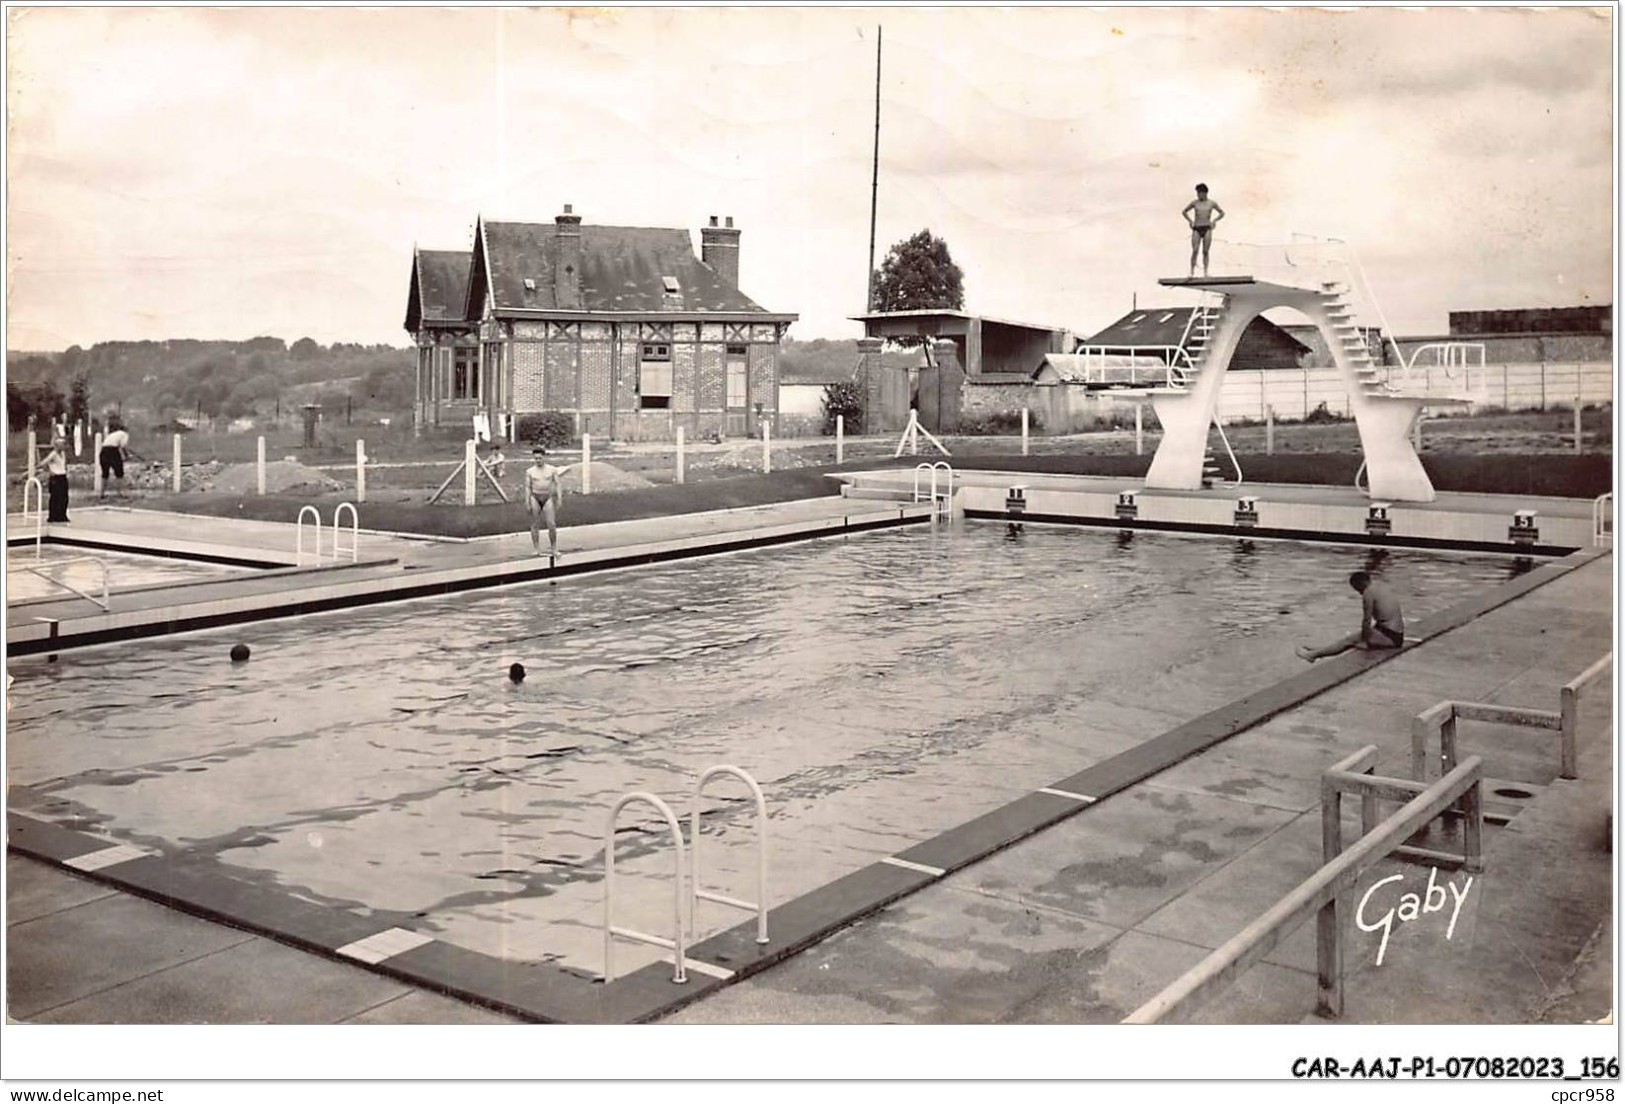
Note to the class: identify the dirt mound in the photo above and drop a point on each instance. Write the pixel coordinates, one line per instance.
(280, 475)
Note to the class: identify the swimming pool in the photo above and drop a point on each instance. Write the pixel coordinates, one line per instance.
(882, 688)
(124, 570)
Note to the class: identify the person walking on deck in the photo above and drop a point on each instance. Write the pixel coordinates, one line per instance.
(112, 456)
(1382, 624)
(542, 494)
(1203, 215)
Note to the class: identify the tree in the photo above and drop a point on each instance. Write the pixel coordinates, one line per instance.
(918, 274)
(304, 349)
(79, 399)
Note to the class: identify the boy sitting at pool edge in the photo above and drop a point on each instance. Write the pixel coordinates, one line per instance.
(1382, 624)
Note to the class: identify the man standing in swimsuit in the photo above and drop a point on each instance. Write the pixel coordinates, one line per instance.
(542, 496)
(1203, 215)
(1382, 625)
(111, 458)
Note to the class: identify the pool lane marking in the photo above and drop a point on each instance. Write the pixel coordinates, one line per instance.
(721, 973)
(1085, 798)
(107, 856)
(934, 871)
(385, 944)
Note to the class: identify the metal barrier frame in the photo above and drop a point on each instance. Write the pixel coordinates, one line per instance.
(680, 976)
(1442, 718)
(1326, 891)
(355, 532)
(696, 894)
(299, 535)
(40, 572)
(935, 497)
(38, 515)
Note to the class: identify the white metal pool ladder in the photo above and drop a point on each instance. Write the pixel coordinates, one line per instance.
(299, 534)
(38, 514)
(610, 930)
(1602, 520)
(942, 502)
(355, 533)
(696, 894)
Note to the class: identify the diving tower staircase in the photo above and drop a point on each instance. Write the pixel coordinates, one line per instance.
(1322, 289)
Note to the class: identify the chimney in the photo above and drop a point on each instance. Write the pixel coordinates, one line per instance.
(567, 261)
(719, 248)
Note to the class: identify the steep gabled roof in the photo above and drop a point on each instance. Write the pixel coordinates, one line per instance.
(623, 268)
(439, 287)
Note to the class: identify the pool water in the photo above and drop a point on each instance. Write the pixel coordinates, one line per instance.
(124, 570)
(882, 688)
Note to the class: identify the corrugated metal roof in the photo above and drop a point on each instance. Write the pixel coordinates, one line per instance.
(623, 268)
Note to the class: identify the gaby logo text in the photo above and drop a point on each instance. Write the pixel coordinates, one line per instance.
(1410, 906)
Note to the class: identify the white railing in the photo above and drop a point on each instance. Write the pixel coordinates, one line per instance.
(38, 516)
(941, 502)
(1457, 360)
(355, 532)
(1602, 520)
(1234, 463)
(696, 894)
(1170, 365)
(42, 572)
(299, 534)
(610, 930)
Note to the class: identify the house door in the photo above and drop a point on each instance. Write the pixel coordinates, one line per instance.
(739, 414)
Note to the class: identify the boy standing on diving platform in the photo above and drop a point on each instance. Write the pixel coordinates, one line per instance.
(1203, 215)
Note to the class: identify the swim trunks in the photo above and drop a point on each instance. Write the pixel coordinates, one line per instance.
(1395, 635)
(112, 461)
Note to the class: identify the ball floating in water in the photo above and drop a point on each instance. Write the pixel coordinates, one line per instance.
(516, 673)
(239, 653)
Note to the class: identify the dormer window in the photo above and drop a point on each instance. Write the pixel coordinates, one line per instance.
(670, 283)
(1166, 316)
(530, 284)
(1136, 320)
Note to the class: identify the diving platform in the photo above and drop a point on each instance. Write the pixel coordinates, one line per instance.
(1384, 413)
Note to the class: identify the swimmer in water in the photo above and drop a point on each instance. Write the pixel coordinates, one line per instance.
(542, 494)
(516, 673)
(1382, 625)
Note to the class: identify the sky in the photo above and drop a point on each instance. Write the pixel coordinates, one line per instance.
(228, 173)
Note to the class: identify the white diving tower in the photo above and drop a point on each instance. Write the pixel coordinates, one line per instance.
(1383, 410)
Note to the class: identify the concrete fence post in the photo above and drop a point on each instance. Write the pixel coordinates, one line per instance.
(96, 465)
(840, 438)
(1577, 426)
(33, 452)
(360, 470)
(259, 467)
(1416, 432)
(1024, 431)
(1139, 429)
(470, 488)
(1269, 430)
(679, 454)
(767, 448)
(586, 463)
(175, 461)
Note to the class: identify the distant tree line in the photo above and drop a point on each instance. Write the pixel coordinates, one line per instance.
(158, 381)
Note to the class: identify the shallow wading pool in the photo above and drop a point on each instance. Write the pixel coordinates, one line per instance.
(76, 567)
(882, 688)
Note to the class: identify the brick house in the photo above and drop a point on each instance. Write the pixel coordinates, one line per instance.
(621, 327)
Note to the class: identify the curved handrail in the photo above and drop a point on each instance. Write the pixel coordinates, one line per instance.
(355, 531)
(1601, 528)
(100, 561)
(299, 535)
(759, 906)
(610, 930)
(39, 513)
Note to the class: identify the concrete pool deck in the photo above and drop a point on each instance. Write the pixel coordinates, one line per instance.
(1458, 665)
(391, 567)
